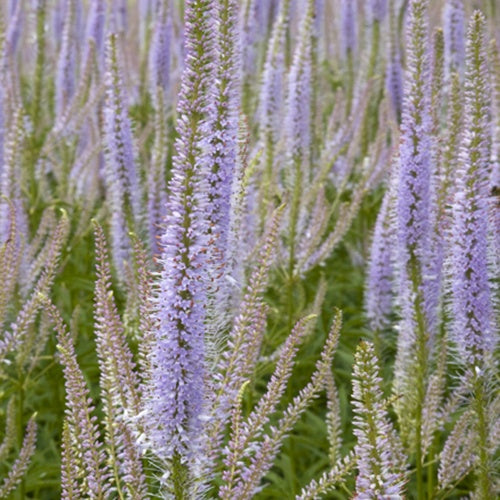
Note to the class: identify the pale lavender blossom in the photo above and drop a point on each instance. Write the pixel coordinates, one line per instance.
(66, 63)
(145, 11)
(271, 97)
(270, 110)
(58, 14)
(298, 128)
(377, 9)
(223, 159)
(14, 28)
(348, 27)
(10, 188)
(417, 290)
(160, 50)
(414, 191)
(253, 25)
(121, 177)
(176, 392)
(298, 116)
(394, 69)
(94, 29)
(119, 15)
(378, 450)
(454, 36)
(472, 302)
(86, 458)
(379, 296)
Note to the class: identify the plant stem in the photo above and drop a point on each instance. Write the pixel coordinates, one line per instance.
(21, 491)
(421, 371)
(179, 478)
(483, 488)
(40, 62)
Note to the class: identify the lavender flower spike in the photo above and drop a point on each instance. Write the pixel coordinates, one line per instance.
(298, 116)
(380, 287)
(176, 390)
(378, 450)
(417, 287)
(65, 76)
(159, 52)
(413, 207)
(94, 30)
(224, 141)
(377, 10)
(348, 28)
(394, 71)
(271, 92)
(454, 36)
(472, 307)
(121, 176)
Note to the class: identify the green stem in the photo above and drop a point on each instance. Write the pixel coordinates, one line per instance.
(430, 471)
(40, 63)
(377, 344)
(267, 181)
(484, 489)
(375, 49)
(418, 430)
(21, 491)
(294, 216)
(180, 477)
(421, 372)
(349, 82)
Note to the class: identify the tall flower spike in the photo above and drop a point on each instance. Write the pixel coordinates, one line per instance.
(224, 155)
(250, 36)
(298, 122)
(268, 449)
(495, 171)
(66, 63)
(122, 183)
(454, 36)
(13, 31)
(156, 174)
(394, 70)
(57, 14)
(333, 420)
(378, 450)
(160, 50)
(271, 105)
(473, 327)
(447, 158)
(115, 357)
(87, 456)
(271, 92)
(176, 389)
(245, 434)
(379, 296)
(15, 337)
(414, 173)
(118, 381)
(348, 28)
(417, 287)
(159, 80)
(94, 30)
(243, 346)
(10, 188)
(457, 457)
(22, 462)
(119, 15)
(377, 10)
